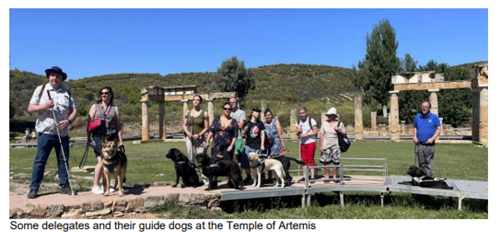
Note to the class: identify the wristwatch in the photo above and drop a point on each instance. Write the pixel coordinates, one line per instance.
(69, 120)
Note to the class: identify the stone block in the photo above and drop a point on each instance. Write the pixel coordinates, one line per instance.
(98, 213)
(86, 207)
(151, 201)
(173, 197)
(55, 210)
(133, 204)
(98, 205)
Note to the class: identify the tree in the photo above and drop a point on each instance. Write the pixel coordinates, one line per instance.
(408, 64)
(374, 72)
(232, 76)
(12, 110)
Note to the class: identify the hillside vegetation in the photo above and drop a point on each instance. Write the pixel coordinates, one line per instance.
(284, 86)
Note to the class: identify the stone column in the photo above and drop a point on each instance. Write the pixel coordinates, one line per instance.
(384, 111)
(433, 99)
(293, 128)
(185, 108)
(210, 112)
(323, 117)
(475, 114)
(374, 131)
(263, 106)
(161, 120)
(358, 118)
(394, 125)
(374, 120)
(483, 116)
(145, 120)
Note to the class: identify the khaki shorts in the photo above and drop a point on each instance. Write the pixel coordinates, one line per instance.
(239, 147)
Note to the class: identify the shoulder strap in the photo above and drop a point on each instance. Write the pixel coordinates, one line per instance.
(41, 91)
(310, 124)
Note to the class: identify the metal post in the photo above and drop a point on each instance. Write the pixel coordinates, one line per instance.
(382, 199)
(342, 199)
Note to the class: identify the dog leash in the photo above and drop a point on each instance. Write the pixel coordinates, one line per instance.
(84, 158)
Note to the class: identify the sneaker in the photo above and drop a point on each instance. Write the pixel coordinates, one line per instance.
(66, 190)
(301, 180)
(97, 190)
(33, 194)
(111, 189)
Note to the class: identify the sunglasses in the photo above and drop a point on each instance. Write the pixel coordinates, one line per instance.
(226, 108)
(104, 93)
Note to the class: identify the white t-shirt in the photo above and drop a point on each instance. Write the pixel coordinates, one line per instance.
(238, 115)
(306, 129)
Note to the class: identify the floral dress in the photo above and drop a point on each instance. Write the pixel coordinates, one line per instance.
(272, 132)
(222, 137)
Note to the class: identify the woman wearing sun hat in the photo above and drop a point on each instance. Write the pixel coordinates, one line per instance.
(329, 145)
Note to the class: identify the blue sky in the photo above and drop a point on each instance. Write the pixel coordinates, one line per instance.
(89, 42)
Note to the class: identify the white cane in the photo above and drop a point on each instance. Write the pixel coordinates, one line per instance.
(60, 142)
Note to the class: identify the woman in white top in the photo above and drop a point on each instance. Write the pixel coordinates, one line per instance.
(329, 144)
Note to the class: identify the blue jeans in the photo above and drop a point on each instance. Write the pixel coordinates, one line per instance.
(45, 144)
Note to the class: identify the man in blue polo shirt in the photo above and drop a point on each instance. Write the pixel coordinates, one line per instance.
(426, 128)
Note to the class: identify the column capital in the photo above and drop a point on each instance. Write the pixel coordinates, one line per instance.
(433, 90)
(144, 101)
(185, 100)
(394, 92)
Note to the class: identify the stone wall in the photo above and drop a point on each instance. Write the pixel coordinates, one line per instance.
(114, 208)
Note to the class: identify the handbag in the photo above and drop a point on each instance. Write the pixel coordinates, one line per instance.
(344, 142)
(98, 123)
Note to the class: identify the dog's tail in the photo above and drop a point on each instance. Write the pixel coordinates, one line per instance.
(296, 160)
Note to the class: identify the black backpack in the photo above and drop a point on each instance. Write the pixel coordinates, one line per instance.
(344, 142)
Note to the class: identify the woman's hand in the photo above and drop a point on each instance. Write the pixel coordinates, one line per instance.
(195, 136)
(284, 148)
(230, 148)
(122, 145)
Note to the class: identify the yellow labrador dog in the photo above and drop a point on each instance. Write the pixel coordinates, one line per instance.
(115, 163)
(269, 164)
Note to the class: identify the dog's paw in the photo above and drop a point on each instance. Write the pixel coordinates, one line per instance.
(175, 185)
(106, 194)
(208, 189)
(183, 186)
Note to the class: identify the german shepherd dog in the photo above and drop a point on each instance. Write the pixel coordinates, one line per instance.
(184, 169)
(115, 162)
(211, 169)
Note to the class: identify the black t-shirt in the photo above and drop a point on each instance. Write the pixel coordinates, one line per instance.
(253, 134)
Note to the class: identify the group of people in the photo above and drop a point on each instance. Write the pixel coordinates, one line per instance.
(55, 107)
(227, 131)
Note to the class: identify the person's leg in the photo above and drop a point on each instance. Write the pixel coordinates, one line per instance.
(327, 173)
(312, 149)
(189, 148)
(429, 160)
(420, 155)
(245, 164)
(44, 147)
(304, 157)
(61, 165)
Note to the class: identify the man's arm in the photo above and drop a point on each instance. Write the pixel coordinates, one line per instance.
(415, 139)
(436, 134)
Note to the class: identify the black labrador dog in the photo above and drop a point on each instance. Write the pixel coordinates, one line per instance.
(212, 168)
(420, 179)
(184, 169)
(285, 161)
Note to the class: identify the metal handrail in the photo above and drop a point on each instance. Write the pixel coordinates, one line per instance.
(350, 167)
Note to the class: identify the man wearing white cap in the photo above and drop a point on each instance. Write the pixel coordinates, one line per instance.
(329, 143)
